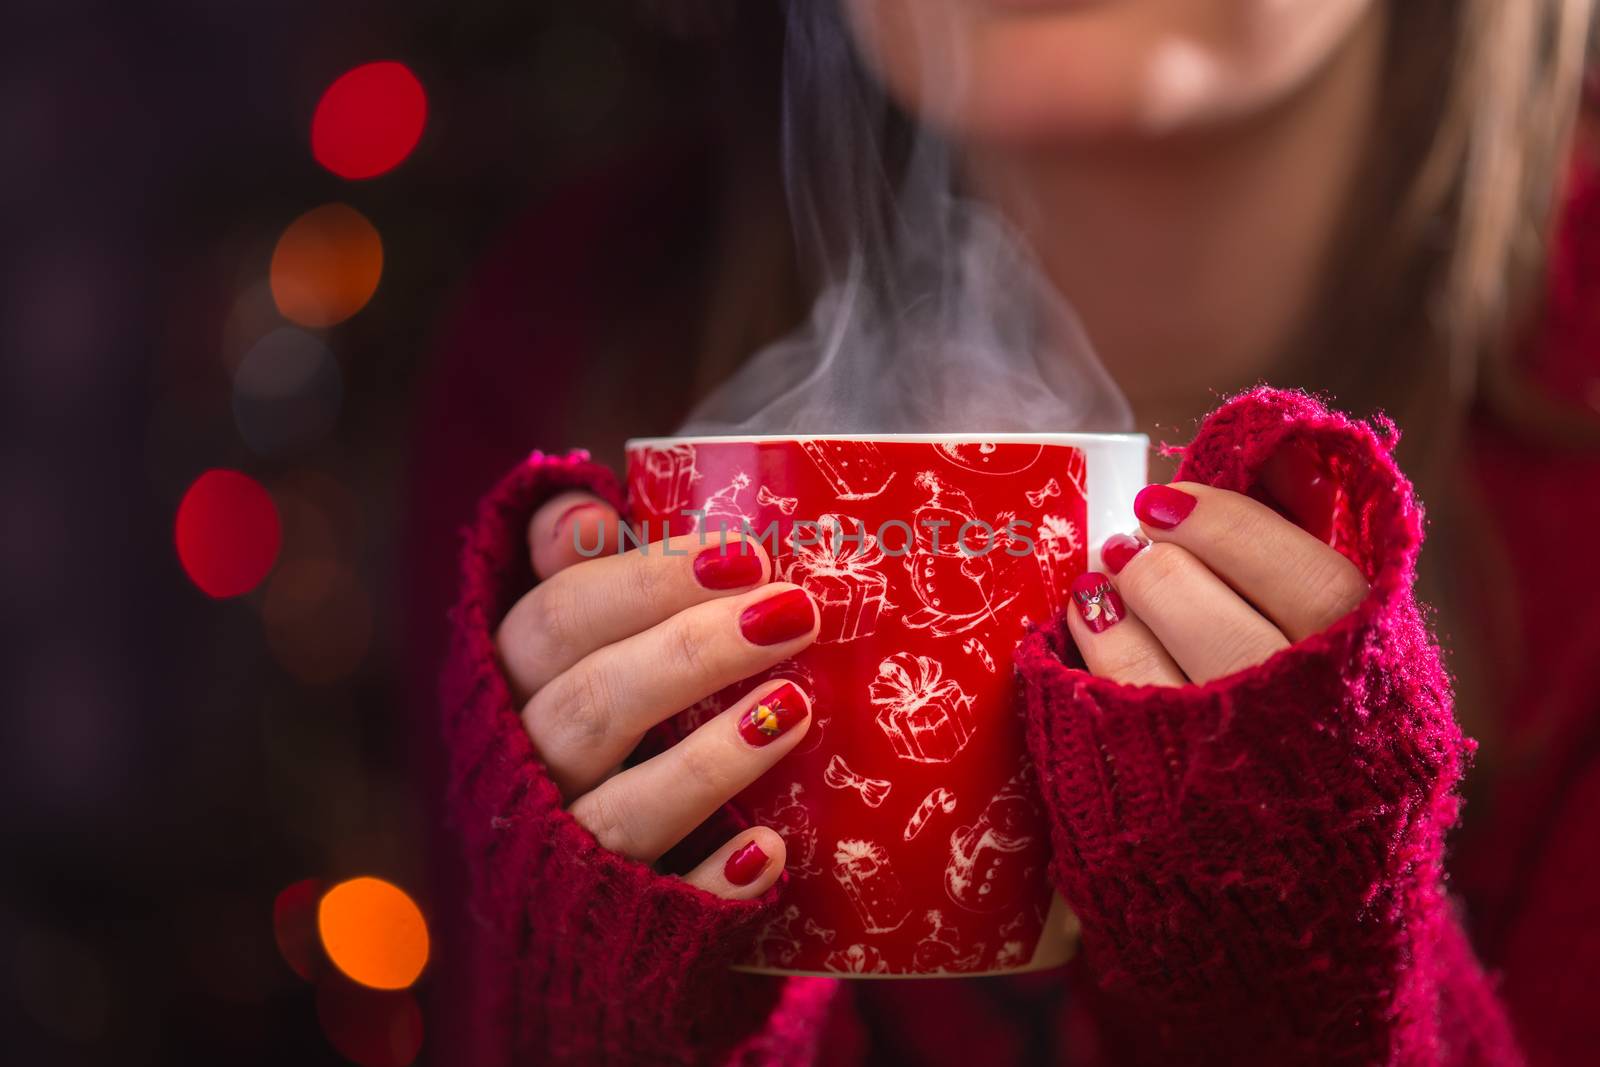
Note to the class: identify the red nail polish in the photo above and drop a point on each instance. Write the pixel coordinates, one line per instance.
(1119, 549)
(1162, 506)
(772, 716)
(1295, 482)
(745, 865)
(1098, 601)
(778, 618)
(729, 566)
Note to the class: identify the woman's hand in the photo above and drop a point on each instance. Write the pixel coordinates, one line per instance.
(604, 648)
(1216, 582)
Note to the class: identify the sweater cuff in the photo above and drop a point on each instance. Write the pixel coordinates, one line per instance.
(1264, 847)
(600, 957)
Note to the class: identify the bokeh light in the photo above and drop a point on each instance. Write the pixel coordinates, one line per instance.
(326, 266)
(294, 927)
(318, 619)
(371, 1027)
(321, 518)
(227, 533)
(286, 392)
(253, 315)
(373, 932)
(369, 120)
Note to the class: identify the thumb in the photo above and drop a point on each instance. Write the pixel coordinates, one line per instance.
(743, 868)
(570, 528)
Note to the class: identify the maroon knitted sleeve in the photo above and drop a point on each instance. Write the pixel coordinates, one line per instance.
(578, 954)
(1257, 862)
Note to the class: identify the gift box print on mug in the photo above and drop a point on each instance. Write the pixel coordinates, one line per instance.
(916, 843)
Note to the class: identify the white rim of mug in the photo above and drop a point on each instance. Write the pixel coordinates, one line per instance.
(1006, 437)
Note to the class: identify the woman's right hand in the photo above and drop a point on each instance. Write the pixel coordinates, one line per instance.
(603, 648)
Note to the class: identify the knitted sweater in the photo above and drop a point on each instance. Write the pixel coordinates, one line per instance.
(1257, 863)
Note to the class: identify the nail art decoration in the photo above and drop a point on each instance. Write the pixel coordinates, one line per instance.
(772, 716)
(1097, 601)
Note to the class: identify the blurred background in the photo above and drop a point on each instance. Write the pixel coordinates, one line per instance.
(255, 256)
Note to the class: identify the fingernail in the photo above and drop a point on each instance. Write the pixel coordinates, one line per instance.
(745, 865)
(1296, 483)
(772, 716)
(1119, 549)
(567, 516)
(1097, 601)
(778, 618)
(729, 566)
(1162, 506)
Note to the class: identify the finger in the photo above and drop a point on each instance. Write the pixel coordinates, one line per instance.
(617, 595)
(1295, 481)
(1207, 628)
(588, 718)
(1295, 580)
(744, 868)
(571, 528)
(645, 810)
(1114, 643)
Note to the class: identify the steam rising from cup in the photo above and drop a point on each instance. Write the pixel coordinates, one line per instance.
(932, 314)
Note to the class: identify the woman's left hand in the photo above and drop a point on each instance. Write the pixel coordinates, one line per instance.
(1217, 582)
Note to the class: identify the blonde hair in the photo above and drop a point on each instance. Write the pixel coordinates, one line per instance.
(1425, 321)
(1441, 278)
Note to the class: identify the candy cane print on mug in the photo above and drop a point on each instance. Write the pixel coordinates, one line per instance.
(917, 844)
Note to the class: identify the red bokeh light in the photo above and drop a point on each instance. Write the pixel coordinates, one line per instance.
(372, 1027)
(294, 927)
(227, 533)
(369, 120)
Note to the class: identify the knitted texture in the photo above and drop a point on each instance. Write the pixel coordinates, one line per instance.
(1257, 861)
(581, 955)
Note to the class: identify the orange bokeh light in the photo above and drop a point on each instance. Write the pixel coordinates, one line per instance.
(373, 932)
(326, 266)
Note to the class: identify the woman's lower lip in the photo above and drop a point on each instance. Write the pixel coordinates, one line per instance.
(1040, 5)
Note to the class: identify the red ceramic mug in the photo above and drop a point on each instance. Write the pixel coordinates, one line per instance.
(917, 845)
